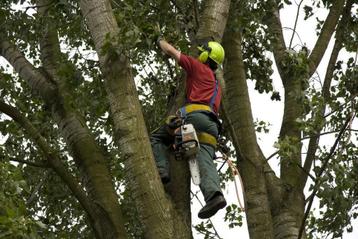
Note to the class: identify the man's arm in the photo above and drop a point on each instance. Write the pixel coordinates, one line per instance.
(169, 49)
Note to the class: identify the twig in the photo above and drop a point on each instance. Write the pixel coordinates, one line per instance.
(318, 178)
(325, 133)
(294, 31)
(37, 188)
(222, 165)
(295, 26)
(307, 173)
(43, 164)
(196, 196)
(272, 155)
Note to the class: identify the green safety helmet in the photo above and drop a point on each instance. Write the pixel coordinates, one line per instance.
(212, 50)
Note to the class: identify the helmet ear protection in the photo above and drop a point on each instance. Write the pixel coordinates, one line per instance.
(205, 51)
(212, 50)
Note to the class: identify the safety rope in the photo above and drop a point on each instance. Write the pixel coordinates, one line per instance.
(235, 172)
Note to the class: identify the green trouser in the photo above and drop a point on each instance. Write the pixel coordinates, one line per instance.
(161, 141)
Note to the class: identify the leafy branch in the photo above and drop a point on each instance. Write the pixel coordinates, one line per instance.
(51, 156)
(318, 180)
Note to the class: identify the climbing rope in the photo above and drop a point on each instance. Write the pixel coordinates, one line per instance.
(235, 172)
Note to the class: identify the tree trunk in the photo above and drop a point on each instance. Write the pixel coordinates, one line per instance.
(238, 108)
(157, 213)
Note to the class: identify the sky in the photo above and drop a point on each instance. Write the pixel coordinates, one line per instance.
(269, 111)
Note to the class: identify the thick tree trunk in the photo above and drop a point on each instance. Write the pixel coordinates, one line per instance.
(238, 108)
(158, 216)
(213, 19)
(107, 217)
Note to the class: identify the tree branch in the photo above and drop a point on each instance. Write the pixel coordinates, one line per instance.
(272, 20)
(196, 13)
(49, 42)
(52, 158)
(37, 188)
(318, 180)
(295, 25)
(325, 35)
(43, 164)
(39, 84)
(240, 122)
(215, 14)
(314, 139)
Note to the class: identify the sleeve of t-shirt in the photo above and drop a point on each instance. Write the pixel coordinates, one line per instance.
(186, 62)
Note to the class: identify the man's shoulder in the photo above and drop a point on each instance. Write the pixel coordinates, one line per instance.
(186, 57)
(189, 63)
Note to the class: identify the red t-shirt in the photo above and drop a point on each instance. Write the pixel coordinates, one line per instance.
(200, 82)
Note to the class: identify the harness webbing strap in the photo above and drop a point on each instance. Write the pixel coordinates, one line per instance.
(212, 100)
(205, 138)
(194, 107)
(184, 110)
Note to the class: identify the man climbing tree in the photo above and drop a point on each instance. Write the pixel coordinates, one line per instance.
(203, 96)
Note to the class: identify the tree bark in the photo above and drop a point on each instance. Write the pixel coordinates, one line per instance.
(157, 213)
(213, 19)
(237, 103)
(325, 35)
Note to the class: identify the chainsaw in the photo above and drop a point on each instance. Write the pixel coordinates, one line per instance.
(186, 145)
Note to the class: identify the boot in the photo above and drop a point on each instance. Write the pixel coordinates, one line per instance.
(164, 176)
(212, 206)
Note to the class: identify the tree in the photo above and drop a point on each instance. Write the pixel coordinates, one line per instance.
(77, 124)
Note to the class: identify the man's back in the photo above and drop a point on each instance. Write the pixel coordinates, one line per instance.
(201, 84)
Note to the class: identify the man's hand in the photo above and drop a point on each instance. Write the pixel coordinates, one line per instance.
(169, 49)
(160, 38)
(158, 33)
(164, 45)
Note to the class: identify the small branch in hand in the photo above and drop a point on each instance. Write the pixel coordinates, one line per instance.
(42, 164)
